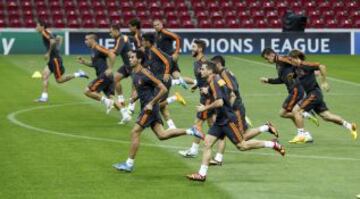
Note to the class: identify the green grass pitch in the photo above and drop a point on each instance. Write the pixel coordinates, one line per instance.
(65, 148)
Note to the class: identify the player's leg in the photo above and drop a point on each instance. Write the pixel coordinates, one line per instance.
(194, 149)
(336, 119)
(118, 88)
(120, 102)
(218, 158)
(162, 134)
(128, 165)
(59, 71)
(210, 140)
(45, 85)
(164, 110)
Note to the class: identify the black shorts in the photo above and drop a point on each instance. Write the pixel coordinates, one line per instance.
(125, 70)
(314, 101)
(168, 86)
(102, 84)
(174, 67)
(205, 100)
(56, 66)
(240, 112)
(296, 95)
(149, 118)
(231, 130)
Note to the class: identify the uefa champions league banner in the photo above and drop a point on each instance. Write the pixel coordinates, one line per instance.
(23, 43)
(243, 43)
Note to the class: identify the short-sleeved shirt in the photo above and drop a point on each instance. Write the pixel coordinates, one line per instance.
(201, 82)
(165, 39)
(307, 78)
(231, 83)
(219, 90)
(46, 37)
(122, 48)
(159, 62)
(145, 84)
(99, 55)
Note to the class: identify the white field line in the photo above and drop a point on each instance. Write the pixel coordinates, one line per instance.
(12, 118)
(269, 65)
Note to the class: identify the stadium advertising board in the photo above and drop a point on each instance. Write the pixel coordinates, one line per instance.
(22, 43)
(244, 43)
(357, 43)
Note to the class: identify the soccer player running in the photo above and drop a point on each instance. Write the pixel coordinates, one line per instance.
(122, 47)
(314, 98)
(136, 34)
(102, 60)
(160, 65)
(55, 65)
(287, 76)
(164, 41)
(150, 90)
(238, 107)
(198, 49)
(226, 123)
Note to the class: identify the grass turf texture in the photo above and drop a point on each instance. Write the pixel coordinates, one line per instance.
(34, 164)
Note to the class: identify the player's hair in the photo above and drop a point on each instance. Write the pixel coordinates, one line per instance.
(139, 55)
(42, 23)
(297, 54)
(135, 22)
(267, 51)
(115, 27)
(211, 66)
(200, 43)
(150, 37)
(93, 34)
(218, 59)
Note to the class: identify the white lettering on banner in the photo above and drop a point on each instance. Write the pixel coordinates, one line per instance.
(299, 44)
(325, 45)
(222, 45)
(248, 44)
(7, 45)
(286, 46)
(225, 45)
(107, 43)
(275, 44)
(315, 45)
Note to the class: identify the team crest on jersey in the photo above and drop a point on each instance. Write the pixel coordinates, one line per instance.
(221, 82)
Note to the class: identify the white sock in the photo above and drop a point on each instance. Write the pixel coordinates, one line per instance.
(121, 99)
(171, 124)
(194, 148)
(306, 114)
(189, 131)
(130, 162)
(307, 134)
(219, 157)
(105, 100)
(44, 95)
(269, 144)
(171, 99)
(195, 82)
(264, 128)
(300, 131)
(347, 125)
(175, 82)
(132, 107)
(77, 74)
(124, 113)
(203, 170)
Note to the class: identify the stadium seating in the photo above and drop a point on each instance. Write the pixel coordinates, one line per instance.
(178, 13)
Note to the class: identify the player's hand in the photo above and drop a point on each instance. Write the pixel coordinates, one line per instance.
(201, 108)
(148, 107)
(47, 56)
(166, 77)
(325, 86)
(108, 72)
(204, 90)
(264, 80)
(142, 48)
(175, 57)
